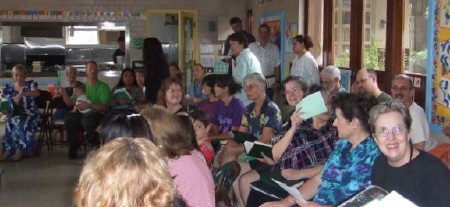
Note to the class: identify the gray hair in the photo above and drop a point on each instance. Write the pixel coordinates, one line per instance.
(405, 77)
(257, 78)
(386, 107)
(68, 68)
(331, 71)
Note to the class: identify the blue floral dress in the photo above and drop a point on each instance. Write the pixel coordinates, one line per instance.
(347, 172)
(21, 125)
(270, 116)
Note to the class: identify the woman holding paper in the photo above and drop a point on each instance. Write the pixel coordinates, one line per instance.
(348, 169)
(298, 153)
(22, 120)
(127, 84)
(414, 174)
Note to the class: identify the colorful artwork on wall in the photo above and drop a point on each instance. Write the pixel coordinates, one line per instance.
(291, 32)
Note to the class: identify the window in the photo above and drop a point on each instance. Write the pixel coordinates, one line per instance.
(375, 33)
(341, 41)
(415, 35)
(81, 35)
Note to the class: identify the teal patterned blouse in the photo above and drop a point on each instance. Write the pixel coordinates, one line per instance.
(347, 172)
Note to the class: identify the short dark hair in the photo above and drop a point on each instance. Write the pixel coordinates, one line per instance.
(235, 20)
(264, 26)
(121, 39)
(354, 106)
(299, 80)
(210, 81)
(225, 80)
(239, 37)
(306, 40)
(201, 116)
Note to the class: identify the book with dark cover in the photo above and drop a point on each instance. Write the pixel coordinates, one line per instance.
(4, 106)
(276, 175)
(241, 137)
(18, 108)
(364, 197)
(272, 191)
(254, 149)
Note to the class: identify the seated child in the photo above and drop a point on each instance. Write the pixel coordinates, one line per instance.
(79, 92)
(200, 121)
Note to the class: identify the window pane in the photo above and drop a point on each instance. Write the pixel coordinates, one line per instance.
(415, 35)
(374, 49)
(342, 33)
(81, 36)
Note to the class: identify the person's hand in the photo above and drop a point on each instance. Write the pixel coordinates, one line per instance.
(296, 120)
(291, 174)
(232, 148)
(308, 204)
(18, 97)
(61, 91)
(196, 100)
(266, 159)
(282, 203)
(82, 105)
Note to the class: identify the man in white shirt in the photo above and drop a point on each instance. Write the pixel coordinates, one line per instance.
(402, 88)
(268, 55)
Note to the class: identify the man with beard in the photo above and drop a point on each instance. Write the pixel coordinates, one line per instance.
(402, 88)
(366, 82)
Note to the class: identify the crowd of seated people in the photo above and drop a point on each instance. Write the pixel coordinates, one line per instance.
(337, 153)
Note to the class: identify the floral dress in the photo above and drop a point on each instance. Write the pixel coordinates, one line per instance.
(22, 121)
(270, 116)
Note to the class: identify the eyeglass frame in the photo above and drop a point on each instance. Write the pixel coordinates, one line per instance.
(401, 89)
(397, 130)
(357, 82)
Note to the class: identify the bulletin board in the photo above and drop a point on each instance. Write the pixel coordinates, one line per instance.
(438, 64)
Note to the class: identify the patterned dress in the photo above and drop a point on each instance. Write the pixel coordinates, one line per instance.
(270, 116)
(22, 121)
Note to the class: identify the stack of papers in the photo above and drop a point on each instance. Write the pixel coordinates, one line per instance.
(37, 66)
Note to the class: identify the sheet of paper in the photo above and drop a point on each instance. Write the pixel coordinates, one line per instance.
(248, 146)
(293, 191)
(312, 105)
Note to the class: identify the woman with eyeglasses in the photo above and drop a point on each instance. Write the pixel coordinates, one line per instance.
(349, 167)
(171, 97)
(414, 174)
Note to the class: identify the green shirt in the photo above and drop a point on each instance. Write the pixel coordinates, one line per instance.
(99, 93)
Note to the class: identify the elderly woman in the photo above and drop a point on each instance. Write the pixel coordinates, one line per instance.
(127, 81)
(126, 172)
(65, 97)
(298, 154)
(261, 119)
(246, 61)
(187, 165)
(414, 174)
(348, 169)
(22, 120)
(171, 96)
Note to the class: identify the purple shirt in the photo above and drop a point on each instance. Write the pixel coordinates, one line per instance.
(228, 116)
(208, 107)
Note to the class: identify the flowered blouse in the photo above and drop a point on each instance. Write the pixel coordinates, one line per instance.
(270, 116)
(347, 172)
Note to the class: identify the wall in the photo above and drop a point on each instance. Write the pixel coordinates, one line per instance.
(208, 10)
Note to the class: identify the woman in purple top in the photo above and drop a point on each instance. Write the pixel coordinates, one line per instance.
(209, 105)
(228, 115)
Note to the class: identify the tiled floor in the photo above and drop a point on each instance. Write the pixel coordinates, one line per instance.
(47, 180)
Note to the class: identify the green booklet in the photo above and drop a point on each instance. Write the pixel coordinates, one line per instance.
(312, 105)
(4, 105)
(254, 149)
(122, 93)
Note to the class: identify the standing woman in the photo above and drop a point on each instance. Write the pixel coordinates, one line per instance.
(22, 121)
(304, 64)
(414, 174)
(155, 66)
(246, 61)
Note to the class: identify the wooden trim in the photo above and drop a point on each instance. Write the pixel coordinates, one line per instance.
(394, 34)
(356, 34)
(306, 14)
(328, 32)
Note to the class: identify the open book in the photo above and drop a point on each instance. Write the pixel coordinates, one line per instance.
(254, 149)
(292, 190)
(242, 137)
(312, 105)
(122, 93)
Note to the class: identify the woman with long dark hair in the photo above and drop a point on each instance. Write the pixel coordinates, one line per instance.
(155, 65)
(127, 81)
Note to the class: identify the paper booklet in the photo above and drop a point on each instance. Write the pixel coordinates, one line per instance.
(375, 196)
(292, 190)
(122, 93)
(254, 149)
(312, 105)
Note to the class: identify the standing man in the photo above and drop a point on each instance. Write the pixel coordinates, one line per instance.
(236, 25)
(268, 55)
(121, 50)
(366, 82)
(98, 93)
(402, 88)
(331, 79)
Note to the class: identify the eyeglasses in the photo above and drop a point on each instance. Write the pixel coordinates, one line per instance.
(397, 131)
(249, 87)
(291, 92)
(403, 88)
(172, 91)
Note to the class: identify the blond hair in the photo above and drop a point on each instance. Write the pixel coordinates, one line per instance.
(169, 132)
(126, 172)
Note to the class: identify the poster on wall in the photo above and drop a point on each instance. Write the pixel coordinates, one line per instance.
(276, 22)
(291, 32)
(438, 79)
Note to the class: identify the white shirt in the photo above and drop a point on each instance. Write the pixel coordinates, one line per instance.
(268, 56)
(83, 98)
(306, 67)
(246, 63)
(420, 132)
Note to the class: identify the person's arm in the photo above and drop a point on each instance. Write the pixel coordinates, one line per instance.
(67, 100)
(267, 134)
(34, 92)
(279, 148)
(297, 174)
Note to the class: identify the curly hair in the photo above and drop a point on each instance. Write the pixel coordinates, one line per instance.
(161, 98)
(126, 172)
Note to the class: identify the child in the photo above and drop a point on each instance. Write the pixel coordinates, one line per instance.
(200, 121)
(79, 92)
